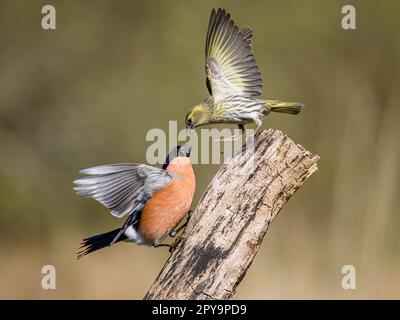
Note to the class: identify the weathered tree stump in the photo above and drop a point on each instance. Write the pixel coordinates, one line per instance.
(226, 229)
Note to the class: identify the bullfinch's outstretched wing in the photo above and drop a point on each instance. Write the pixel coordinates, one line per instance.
(122, 188)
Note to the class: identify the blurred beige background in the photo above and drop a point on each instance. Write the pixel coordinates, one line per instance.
(87, 93)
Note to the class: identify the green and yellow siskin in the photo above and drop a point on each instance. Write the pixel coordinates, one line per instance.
(233, 79)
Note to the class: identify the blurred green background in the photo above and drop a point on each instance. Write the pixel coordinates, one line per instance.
(87, 93)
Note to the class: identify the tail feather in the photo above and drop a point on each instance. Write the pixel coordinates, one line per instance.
(284, 107)
(99, 241)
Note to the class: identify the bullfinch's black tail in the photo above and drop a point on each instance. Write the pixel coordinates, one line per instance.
(99, 241)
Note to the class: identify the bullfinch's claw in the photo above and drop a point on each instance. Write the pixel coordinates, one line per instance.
(173, 233)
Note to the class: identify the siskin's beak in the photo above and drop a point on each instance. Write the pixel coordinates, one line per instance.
(189, 124)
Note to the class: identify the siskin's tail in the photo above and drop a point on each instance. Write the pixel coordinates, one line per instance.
(99, 241)
(283, 106)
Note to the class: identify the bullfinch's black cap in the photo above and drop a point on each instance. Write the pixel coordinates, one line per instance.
(179, 151)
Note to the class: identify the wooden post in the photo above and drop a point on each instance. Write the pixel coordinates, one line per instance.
(228, 225)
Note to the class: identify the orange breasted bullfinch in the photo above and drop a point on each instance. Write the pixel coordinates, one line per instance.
(155, 200)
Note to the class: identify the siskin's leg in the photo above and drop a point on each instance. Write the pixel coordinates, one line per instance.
(241, 128)
(258, 125)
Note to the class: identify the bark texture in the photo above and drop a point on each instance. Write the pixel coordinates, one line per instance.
(228, 225)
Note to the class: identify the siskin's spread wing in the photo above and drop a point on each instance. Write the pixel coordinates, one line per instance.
(230, 65)
(122, 188)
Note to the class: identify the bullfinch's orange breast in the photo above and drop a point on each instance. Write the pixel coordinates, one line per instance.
(163, 212)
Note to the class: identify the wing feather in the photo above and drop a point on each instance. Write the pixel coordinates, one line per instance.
(230, 65)
(122, 188)
(247, 34)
